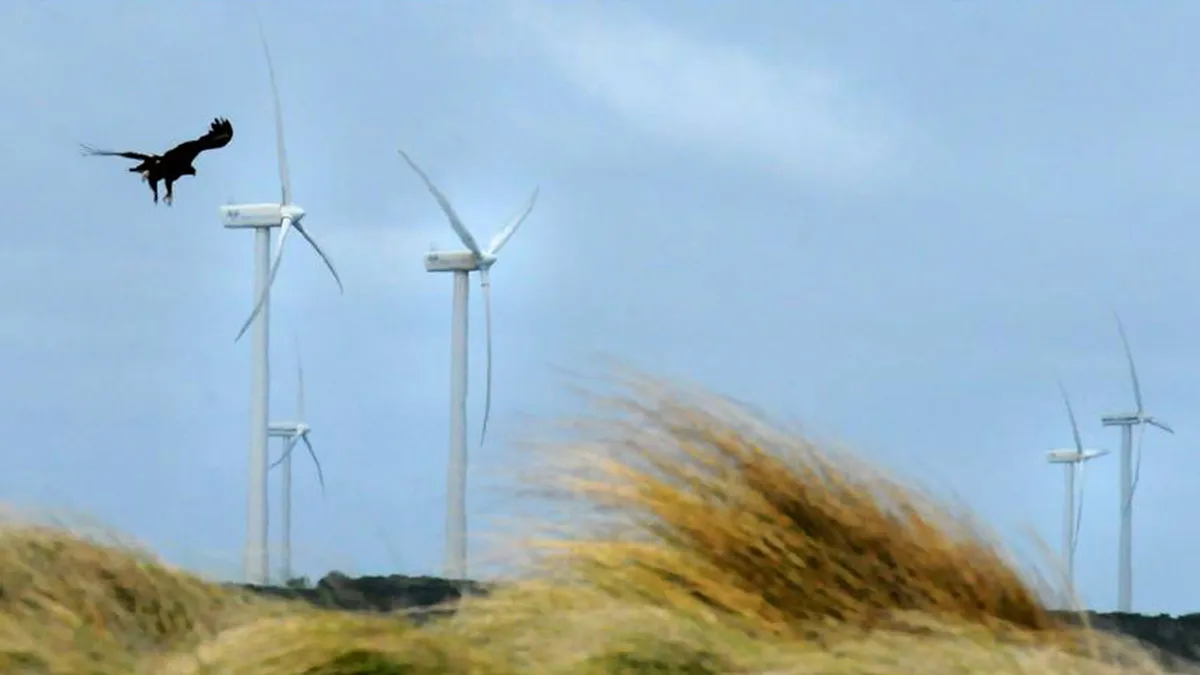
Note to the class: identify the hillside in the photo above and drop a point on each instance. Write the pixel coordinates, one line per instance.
(700, 540)
(1177, 639)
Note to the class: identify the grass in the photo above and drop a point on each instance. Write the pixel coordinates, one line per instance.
(700, 540)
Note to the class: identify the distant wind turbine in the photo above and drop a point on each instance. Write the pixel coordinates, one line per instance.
(1129, 479)
(1073, 461)
(262, 218)
(462, 263)
(292, 432)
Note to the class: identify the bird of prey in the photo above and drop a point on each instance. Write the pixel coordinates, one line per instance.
(176, 162)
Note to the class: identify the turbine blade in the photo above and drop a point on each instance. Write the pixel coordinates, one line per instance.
(1071, 414)
(509, 230)
(1133, 376)
(287, 452)
(1160, 424)
(262, 298)
(455, 222)
(313, 453)
(317, 247)
(486, 286)
(285, 183)
(1137, 465)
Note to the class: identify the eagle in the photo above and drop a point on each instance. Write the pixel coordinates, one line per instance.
(174, 163)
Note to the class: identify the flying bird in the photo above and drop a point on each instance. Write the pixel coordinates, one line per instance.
(176, 162)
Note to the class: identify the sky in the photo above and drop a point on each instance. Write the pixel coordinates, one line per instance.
(893, 223)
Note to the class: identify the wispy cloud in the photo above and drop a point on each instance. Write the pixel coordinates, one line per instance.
(705, 93)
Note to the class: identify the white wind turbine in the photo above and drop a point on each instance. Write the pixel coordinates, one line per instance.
(462, 263)
(1074, 461)
(262, 218)
(1129, 475)
(292, 432)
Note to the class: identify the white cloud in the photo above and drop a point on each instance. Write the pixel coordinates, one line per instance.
(704, 93)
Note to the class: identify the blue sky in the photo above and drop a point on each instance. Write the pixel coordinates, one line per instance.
(891, 222)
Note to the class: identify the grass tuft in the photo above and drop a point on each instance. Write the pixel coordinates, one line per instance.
(706, 508)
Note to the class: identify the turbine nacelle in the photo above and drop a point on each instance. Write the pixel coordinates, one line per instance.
(284, 429)
(457, 261)
(251, 216)
(1133, 419)
(1073, 456)
(288, 429)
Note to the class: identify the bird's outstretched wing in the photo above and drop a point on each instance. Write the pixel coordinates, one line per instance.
(220, 132)
(88, 150)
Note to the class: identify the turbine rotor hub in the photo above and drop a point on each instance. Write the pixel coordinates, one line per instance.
(291, 211)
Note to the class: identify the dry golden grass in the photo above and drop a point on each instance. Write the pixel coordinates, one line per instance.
(67, 602)
(709, 507)
(700, 540)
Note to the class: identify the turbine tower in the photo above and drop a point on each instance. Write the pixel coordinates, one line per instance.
(1073, 461)
(1129, 475)
(292, 433)
(462, 263)
(262, 218)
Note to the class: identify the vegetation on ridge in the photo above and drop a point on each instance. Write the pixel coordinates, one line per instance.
(701, 540)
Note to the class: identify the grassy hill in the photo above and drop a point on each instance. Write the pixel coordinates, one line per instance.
(701, 540)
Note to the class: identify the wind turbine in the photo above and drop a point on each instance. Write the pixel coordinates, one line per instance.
(462, 263)
(1129, 476)
(292, 432)
(1073, 461)
(262, 218)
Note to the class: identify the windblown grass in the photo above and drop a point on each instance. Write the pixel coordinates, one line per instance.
(702, 505)
(700, 540)
(68, 602)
